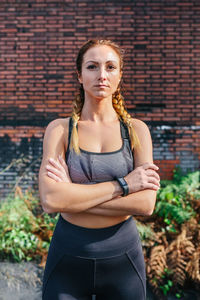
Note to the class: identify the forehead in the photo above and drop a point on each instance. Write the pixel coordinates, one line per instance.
(100, 54)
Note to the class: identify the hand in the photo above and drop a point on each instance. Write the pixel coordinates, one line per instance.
(143, 177)
(58, 170)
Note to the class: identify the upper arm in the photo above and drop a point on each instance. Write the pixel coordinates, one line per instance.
(144, 153)
(54, 142)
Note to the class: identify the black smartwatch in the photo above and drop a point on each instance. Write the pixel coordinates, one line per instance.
(123, 185)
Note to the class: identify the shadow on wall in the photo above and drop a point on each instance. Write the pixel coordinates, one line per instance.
(25, 116)
(20, 163)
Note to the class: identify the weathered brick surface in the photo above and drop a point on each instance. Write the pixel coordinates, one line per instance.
(39, 41)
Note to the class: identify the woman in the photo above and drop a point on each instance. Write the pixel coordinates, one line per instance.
(97, 170)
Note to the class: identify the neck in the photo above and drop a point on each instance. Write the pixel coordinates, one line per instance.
(98, 110)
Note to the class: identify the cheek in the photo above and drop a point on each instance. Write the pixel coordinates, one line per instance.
(115, 75)
(115, 79)
(87, 77)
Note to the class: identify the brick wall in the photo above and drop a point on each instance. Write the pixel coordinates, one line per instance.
(39, 41)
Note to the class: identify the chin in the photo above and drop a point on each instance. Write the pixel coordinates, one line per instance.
(101, 95)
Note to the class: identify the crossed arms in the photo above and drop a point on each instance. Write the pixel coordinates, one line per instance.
(59, 194)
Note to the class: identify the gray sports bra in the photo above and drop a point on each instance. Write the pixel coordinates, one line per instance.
(94, 167)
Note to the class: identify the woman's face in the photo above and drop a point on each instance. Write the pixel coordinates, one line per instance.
(100, 72)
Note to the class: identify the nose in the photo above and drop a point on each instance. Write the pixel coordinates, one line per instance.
(102, 74)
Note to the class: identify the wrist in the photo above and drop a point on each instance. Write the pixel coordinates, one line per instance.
(123, 185)
(117, 189)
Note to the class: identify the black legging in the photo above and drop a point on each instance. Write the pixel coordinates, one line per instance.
(101, 264)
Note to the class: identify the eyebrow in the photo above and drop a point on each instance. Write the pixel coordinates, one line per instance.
(96, 62)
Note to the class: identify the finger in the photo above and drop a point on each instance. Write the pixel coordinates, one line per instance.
(150, 166)
(152, 186)
(150, 172)
(154, 181)
(63, 163)
(149, 185)
(54, 177)
(151, 177)
(54, 171)
(61, 159)
(54, 163)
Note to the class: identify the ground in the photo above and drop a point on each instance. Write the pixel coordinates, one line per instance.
(23, 281)
(20, 281)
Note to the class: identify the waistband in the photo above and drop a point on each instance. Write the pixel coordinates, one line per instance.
(95, 242)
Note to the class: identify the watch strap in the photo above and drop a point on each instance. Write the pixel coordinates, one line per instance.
(123, 185)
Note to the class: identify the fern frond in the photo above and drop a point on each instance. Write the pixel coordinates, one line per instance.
(179, 253)
(193, 266)
(156, 265)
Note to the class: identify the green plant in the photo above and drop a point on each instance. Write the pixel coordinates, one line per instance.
(177, 174)
(174, 203)
(25, 231)
(166, 287)
(146, 233)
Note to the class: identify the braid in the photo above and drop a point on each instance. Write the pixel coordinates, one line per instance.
(119, 106)
(77, 108)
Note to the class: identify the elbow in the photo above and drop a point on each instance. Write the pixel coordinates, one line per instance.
(47, 209)
(45, 200)
(53, 199)
(150, 204)
(149, 211)
(46, 206)
(50, 205)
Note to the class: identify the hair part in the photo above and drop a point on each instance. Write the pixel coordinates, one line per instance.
(117, 98)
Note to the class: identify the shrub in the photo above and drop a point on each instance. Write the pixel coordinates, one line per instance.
(173, 259)
(25, 231)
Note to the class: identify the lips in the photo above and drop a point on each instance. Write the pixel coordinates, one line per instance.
(101, 85)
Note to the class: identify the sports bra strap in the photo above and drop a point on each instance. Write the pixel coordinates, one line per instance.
(69, 135)
(124, 130)
(70, 129)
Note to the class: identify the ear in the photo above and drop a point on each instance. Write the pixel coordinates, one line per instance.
(79, 77)
(120, 77)
(119, 81)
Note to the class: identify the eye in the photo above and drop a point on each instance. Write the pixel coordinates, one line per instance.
(91, 67)
(111, 67)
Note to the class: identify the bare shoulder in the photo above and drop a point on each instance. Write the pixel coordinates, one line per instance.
(141, 129)
(57, 125)
(139, 125)
(55, 136)
(144, 153)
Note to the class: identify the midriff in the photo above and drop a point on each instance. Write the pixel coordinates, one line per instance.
(92, 220)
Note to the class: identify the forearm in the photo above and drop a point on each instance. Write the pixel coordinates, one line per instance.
(72, 197)
(138, 203)
(107, 211)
